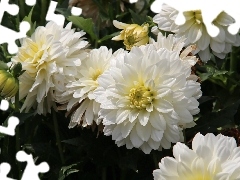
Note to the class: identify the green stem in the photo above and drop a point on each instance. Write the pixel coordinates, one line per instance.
(44, 6)
(21, 8)
(17, 131)
(58, 136)
(17, 102)
(233, 60)
(104, 173)
(184, 136)
(155, 159)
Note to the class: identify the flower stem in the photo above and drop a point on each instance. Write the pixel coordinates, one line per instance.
(104, 173)
(43, 10)
(58, 136)
(233, 59)
(184, 136)
(17, 131)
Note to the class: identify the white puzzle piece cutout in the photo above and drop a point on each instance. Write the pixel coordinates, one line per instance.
(12, 121)
(31, 171)
(51, 16)
(7, 35)
(4, 170)
(210, 10)
(30, 2)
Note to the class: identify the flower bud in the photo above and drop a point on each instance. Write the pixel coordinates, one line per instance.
(132, 34)
(8, 84)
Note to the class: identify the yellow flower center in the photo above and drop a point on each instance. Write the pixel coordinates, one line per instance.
(33, 56)
(198, 16)
(96, 74)
(140, 97)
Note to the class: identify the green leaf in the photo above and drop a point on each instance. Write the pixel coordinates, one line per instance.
(66, 171)
(3, 66)
(17, 69)
(204, 76)
(211, 121)
(29, 20)
(75, 141)
(137, 18)
(108, 37)
(23, 116)
(65, 12)
(85, 24)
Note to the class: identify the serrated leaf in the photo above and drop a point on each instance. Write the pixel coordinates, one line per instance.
(85, 24)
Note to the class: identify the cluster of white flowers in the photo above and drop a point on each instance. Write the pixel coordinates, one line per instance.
(211, 157)
(195, 31)
(143, 98)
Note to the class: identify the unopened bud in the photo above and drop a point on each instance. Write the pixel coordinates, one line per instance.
(8, 84)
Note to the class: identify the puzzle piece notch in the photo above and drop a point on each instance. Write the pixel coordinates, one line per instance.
(12, 36)
(209, 14)
(51, 16)
(12, 9)
(31, 171)
(4, 105)
(76, 11)
(4, 170)
(58, 18)
(10, 130)
(30, 2)
(133, 1)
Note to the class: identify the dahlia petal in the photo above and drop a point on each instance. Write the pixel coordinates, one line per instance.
(135, 139)
(157, 121)
(143, 117)
(163, 106)
(144, 132)
(121, 116)
(157, 135)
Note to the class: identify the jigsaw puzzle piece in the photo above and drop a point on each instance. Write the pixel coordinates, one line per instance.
(4, 105)
(209, 14)
(12, 9)
(51, 16)
(232, 9)
(30, 2)
(10, 130)
(9, 36)
(4, 170)
(31, 171)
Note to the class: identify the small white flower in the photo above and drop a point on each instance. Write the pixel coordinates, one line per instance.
(50, 58)
(79, 93)
(145, 98)
(211, 157)
(195, 31)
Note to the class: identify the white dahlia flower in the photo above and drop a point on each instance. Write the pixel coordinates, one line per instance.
(50, 58)
(176, 44)
(79, 97)
(147, 98)
(211, 158)
(195, 31)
